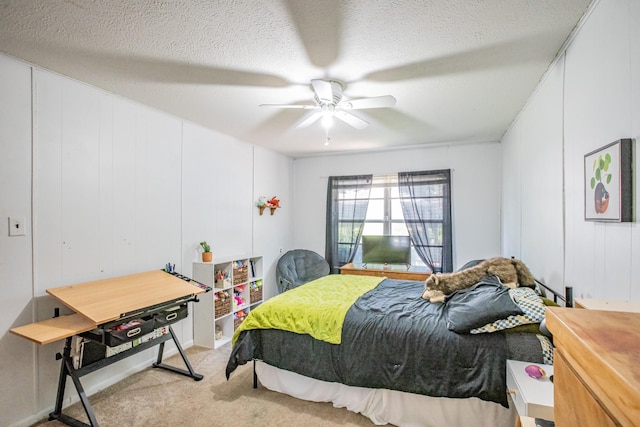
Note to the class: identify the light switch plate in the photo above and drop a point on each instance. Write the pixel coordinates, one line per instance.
(17, 226)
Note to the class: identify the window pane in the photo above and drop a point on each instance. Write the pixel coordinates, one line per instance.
(346, 232)
(377, 193)
(399, 229)
(415, 258)
(373, 229)
(431, 208)
(357, 259)
(349, 208)
(376, 210)
(396, 210)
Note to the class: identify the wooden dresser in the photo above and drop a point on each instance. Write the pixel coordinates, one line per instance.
(596, 367)
(608, 305)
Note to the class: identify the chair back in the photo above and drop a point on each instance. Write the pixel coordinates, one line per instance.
(299, 266)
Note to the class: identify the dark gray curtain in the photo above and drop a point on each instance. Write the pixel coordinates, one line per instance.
(347, 203)
(426, 204)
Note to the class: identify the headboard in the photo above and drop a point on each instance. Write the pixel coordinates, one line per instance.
(567, 298)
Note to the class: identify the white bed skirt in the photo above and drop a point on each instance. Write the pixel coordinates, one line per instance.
(383, 406)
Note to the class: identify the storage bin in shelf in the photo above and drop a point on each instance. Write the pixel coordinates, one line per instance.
(240, 272)
(238, 318)
(222, 303)
(255, 292)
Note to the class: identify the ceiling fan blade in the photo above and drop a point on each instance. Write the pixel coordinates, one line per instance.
(323, 90)
(373, 102)
(301, 106)
(309, 120)
(350, 119)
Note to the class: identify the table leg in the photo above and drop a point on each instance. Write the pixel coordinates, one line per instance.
(66, 368)
(190, 373)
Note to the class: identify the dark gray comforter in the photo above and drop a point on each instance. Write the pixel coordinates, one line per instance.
(393, 339)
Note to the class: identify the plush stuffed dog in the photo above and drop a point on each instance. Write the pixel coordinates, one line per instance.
(510, 271)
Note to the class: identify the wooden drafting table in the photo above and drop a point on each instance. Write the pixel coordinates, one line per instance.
(104, 302)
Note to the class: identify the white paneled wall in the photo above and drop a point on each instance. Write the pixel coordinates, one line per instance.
(232, 185)
(17, 356)
(123, 148)
(107, 184)
(634, 64)
(597, 112)
(475, 182)
(272, 178)
(511, 193)
(117, 188)
(217, 196)
(198, 198)
(533, 183)
(590, 98)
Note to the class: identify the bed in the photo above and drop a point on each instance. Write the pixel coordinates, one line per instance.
(374, 346)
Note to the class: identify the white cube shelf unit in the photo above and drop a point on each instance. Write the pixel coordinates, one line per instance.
(236, 288)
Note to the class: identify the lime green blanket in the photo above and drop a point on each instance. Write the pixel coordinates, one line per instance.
(317, 308)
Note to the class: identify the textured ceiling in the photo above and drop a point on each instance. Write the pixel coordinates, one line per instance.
(459, 69)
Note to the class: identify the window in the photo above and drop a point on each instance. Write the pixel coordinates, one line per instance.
(426, 203)
(384, 215)
(417, 204)
(347, 201)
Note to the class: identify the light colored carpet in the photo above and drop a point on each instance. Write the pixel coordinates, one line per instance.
(156, 397)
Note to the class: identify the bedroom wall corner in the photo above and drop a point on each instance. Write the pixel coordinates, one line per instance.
(533, 186)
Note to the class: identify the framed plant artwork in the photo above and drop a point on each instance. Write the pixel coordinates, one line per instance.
(608, 182)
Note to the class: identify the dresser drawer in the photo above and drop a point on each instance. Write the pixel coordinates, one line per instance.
(532, 397)
(573, 393)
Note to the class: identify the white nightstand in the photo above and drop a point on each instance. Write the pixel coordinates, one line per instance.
(532, 397)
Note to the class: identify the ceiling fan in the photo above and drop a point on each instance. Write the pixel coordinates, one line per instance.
(329, 104)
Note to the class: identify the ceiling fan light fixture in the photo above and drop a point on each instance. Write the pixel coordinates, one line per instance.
(329, 104)
(327, 119)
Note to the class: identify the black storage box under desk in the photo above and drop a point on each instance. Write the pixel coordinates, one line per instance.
(171, 315)
(121, 331)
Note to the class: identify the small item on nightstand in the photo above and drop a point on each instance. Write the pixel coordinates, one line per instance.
(535, 371)
(544, 423)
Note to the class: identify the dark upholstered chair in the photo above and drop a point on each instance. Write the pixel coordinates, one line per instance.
(299, 266)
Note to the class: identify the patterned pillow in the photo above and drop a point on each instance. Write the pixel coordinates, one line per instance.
(530, 303)
(547, 349)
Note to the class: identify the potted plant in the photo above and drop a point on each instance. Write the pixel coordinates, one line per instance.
(207, 256)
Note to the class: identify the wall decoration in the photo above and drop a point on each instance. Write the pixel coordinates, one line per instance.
(272, 204)
(608, 183)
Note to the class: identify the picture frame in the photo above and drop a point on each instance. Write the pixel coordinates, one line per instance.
(608, 183)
